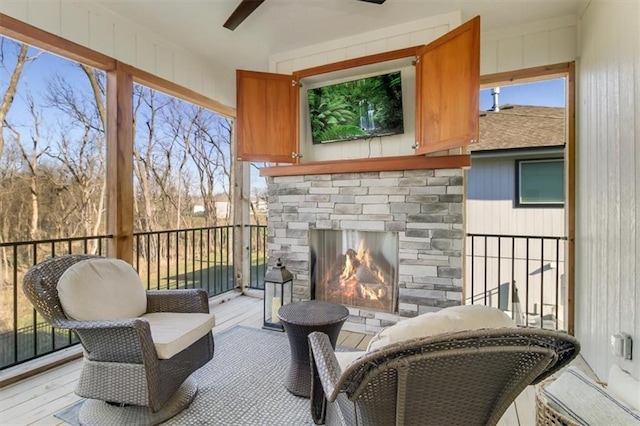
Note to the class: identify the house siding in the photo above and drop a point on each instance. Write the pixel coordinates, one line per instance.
(608, 182)
(491, 189)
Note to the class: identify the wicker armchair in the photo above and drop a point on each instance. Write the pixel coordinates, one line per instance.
(121, 364)
(466, 378)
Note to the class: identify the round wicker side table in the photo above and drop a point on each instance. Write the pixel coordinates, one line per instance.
(299, 320)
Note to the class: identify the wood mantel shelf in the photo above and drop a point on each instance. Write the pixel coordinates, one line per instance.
(378, 164)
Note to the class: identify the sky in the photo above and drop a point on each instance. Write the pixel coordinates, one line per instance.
(542, 93)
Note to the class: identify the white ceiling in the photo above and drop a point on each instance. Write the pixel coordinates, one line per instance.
(281, 25)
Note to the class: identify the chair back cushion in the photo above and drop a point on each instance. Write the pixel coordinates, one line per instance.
(101, 289)
(448, 320)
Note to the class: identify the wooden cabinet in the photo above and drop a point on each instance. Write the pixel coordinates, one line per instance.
(267, 117)
(448, 90)
(447, 96)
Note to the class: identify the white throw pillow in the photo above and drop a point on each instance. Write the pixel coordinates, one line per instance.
(102, 289)
(576, 396)
(448, 320)
(624, 387)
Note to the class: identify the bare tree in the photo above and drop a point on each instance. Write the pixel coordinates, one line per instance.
(209, 153)
(81, 146)
(31, 153)
(12, 87)
(5, 106)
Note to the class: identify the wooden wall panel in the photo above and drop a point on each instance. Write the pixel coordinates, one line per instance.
(562, 45)
(488, 57)
(376, 46)
(145, 53)
(125, 44)
(608, 183)
(16, 9)
(403, 40)
(510, 53)
(164, 62)
(532, 53)
(526, 46)
(74, 23)
(45, 15)
(101, 33)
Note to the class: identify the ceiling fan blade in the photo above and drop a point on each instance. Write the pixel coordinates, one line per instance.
(244, 9)
(375, 1)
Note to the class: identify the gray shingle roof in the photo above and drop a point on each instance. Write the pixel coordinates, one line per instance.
(521, 126)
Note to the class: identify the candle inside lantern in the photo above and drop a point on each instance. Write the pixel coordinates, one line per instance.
(275, 305)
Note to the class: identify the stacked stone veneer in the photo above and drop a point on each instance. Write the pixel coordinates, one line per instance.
(425, 208)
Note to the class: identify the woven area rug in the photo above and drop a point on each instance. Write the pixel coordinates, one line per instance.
(241, 385)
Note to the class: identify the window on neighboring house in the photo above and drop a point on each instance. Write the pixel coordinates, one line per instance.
(540, 183)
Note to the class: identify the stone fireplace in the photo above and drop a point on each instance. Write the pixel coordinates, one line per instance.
(422, 210)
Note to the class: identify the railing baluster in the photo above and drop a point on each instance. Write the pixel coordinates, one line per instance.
(473, 256)
(177, 259)
(557, 312)
(541, 283)
(229, 285)
(209, 260)
(201, 271)
(514, 290)
(15, 303)
(215, 261)
(486, 289)
(168, 234)
(526, 303)
(499, 262)
(157, 238)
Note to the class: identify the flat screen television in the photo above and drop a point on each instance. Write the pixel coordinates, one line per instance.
(358, 109)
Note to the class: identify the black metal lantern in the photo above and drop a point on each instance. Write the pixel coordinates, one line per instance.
(278, 291)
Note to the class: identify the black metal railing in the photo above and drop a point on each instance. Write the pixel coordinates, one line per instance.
(184, 258)
(257, 255)
(23, 333)
(520, 274)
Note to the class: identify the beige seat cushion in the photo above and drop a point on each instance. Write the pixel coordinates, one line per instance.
(448, 320)
(101, 289)
(173, 332)
(346, 358)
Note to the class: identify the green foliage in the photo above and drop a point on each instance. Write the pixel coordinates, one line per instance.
(327, 112)
(336, 110)
(340, 132)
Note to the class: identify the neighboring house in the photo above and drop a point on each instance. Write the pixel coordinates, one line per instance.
(515, 187)
(223, 206)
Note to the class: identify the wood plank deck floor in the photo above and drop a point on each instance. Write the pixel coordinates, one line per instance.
(34, 401)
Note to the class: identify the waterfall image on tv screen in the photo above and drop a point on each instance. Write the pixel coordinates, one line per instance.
(358, 109)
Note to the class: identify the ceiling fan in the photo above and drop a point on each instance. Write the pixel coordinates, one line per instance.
(246, 8)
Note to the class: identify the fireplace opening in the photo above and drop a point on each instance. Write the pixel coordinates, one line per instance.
(355, 268)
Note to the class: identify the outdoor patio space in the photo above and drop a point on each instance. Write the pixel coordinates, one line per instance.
(35, 400)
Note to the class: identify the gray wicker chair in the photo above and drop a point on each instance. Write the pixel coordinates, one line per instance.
(121, 365)
(465, 378)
